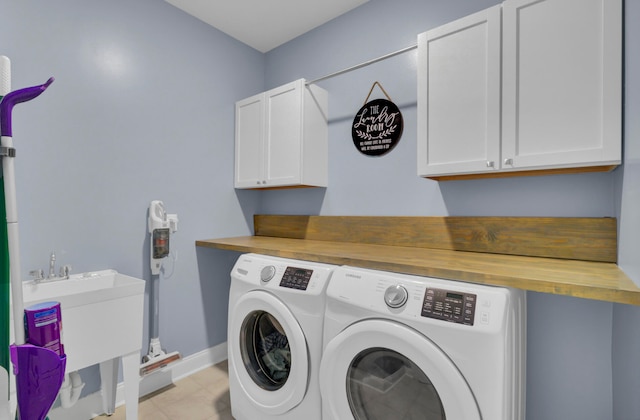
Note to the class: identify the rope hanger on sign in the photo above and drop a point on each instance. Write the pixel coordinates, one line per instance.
(381, 88)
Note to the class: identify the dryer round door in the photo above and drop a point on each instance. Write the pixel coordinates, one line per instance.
(378, 369)
(269, 352)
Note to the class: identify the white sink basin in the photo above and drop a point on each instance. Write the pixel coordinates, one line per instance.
(82, 289)
(102, 315)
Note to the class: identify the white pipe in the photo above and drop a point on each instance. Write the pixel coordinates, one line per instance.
(5, 413)
(8, 173)
(71, 389)
(5, 75)
(5, 87)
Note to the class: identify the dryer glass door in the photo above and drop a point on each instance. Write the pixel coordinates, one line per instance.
(380, 369)
(381, 380)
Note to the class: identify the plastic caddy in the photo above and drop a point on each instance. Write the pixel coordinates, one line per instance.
(39, 375)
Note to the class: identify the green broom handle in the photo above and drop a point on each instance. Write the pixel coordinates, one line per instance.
(4, 285)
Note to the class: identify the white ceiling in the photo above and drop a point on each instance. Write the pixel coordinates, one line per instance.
(265, 24)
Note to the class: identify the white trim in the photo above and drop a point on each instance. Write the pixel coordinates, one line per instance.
(91, 405)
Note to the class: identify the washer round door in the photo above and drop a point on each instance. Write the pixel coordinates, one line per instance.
(269, 352)
(379, 369)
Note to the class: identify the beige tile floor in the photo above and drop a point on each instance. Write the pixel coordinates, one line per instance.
(201, 396)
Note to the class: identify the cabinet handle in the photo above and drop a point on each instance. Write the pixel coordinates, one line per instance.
(490, 164)
(508, 161)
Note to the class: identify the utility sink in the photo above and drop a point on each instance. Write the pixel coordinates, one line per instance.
(102, 315)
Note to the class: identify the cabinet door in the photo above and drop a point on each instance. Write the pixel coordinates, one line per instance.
(249, 163)
(283, 134)
(459, 96)
(561, 83)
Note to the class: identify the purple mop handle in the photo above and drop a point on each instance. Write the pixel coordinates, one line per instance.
(16, 97)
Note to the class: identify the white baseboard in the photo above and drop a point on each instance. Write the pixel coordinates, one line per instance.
(91, 405)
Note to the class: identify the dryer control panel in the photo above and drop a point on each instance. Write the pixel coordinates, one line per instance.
(449, 305)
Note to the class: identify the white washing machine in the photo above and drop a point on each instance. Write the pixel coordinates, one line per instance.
(407, 347)
(276, 314)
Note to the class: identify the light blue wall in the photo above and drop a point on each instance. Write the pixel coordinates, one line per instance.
(141, 109)
(142, 86)
(626, 324)
(582, 354)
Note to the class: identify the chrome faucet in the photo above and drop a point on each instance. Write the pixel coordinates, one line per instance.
(52, 265)
(64, 271)
(38, 275)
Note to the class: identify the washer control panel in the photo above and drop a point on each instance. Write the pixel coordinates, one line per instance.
(281, 275)
(449, 305)
(296, 278)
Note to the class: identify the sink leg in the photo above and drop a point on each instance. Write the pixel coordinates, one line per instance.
(131, 373)
(109, 382)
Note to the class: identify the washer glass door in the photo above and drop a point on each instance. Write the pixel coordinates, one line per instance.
(265, 350)
(381, 369)
(268, 352)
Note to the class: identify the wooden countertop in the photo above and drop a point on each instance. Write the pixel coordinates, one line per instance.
(573, 277)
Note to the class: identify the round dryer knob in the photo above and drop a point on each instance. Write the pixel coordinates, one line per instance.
(267, 273)
(395, 296)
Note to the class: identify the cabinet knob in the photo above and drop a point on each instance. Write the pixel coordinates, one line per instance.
(490, 164)
(508, 161)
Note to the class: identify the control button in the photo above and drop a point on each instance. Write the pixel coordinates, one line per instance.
(267, 273)
(395, 296)
(484, 317)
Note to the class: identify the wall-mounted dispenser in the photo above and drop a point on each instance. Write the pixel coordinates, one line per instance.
(161, 226)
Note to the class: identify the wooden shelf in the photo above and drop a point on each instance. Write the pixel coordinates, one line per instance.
(573, 277)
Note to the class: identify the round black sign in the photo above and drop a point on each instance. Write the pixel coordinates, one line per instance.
(377, 127)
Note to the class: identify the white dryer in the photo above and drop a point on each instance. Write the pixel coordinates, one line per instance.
(407, 347)
(276, 314)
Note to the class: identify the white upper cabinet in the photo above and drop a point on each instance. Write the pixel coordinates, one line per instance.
(562, 83)
(538, 88)
(459, 96)
(282, 138)
(249, 145)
